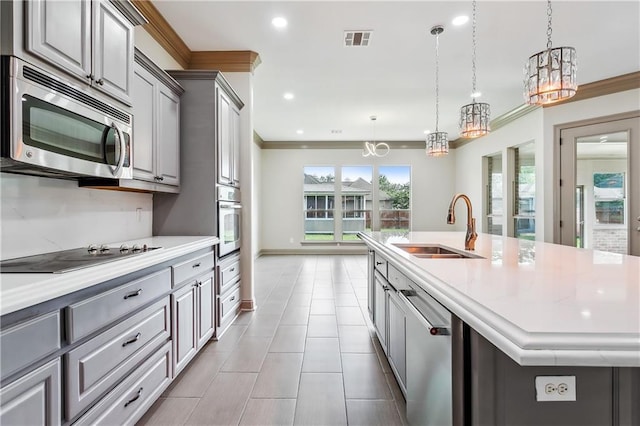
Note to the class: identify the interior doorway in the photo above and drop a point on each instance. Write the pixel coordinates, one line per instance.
(599, 202)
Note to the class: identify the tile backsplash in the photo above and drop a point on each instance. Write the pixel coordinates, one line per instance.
(40, 215)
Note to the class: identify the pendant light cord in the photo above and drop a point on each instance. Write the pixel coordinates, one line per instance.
(437, 80)
(549, 11)
(473, 53)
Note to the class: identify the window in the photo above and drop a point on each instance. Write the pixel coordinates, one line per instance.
(608, 193)
(524, 211)
(319, 203)
(357, 200)
(494, 194)
(394, 198)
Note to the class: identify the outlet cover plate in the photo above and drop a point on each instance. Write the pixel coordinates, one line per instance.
(546, 383)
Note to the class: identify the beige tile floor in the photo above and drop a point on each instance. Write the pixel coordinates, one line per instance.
(307, 356)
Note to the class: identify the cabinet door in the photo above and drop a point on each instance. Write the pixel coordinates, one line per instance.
(168, 141)
(235, 143)
(112, 51)
(397, 338)
(206, 317)
(60, 32)
(143, 124)
(380, 310)
(370, 284)
(225, 149)
(33, 399)
(185, 341)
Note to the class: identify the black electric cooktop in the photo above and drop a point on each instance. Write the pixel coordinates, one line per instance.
(70, 260)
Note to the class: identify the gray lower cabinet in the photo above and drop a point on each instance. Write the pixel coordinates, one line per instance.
(397, 342)
(33, 399)
(128, 402)
(380, 289)
(99, 364)
(193, 319)
(228, 292)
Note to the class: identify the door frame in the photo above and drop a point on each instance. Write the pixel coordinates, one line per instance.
(558, 215)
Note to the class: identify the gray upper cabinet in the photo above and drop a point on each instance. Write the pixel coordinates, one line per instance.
(156, 127)
(89, 39)
(60, 32)
(228, 139)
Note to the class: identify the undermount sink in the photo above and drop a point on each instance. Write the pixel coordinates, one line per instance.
(435, 251)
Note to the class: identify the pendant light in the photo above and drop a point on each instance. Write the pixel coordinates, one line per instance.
(474, 117)
(375, 149)
(550, 75)
(437, 142)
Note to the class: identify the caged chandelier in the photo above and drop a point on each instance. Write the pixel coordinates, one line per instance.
(437, 142)
(474, 117)
(550, 75)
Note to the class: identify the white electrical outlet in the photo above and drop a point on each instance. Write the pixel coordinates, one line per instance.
(555, 388)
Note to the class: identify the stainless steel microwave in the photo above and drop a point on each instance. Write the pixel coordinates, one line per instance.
(51, 127)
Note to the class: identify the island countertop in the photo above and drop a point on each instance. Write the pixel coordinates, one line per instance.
(540, 303)
(18, 291)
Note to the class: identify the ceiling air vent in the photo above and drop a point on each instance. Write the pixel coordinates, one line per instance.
(357, 38)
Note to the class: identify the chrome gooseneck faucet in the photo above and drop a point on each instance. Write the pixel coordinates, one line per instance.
(470, 238)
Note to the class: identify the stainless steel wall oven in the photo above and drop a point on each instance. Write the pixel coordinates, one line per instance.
(229, 219)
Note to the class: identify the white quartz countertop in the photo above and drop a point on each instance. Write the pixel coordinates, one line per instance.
(540, 303)
(18, 291)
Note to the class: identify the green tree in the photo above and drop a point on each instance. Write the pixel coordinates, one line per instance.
(399, 192)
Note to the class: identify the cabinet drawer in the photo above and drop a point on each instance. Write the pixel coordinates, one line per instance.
(29, 341)
(191, 268)
(94, 313)
(229, 274)
(128, 402)
(229, 305)
(380, 264)
(95, 366)
(397, 279)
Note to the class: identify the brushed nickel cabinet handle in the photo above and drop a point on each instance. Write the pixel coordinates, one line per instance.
(134, 294)
(132, 340)
(134, 398)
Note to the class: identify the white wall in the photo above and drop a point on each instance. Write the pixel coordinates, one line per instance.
(281, 188)
(40, 215)
(468, 165)
(150, 47)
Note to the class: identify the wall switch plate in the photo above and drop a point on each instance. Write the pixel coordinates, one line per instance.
(555, 388)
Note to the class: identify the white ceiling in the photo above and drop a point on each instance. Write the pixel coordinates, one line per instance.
(394, 78)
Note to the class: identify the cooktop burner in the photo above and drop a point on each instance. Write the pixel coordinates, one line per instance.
(70, 260)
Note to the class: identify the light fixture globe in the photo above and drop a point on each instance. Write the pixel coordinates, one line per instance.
(550, 75)
(437, 144)
(474, 120)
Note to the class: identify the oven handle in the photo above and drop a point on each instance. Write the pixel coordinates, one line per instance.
(123, 149)
(227, 205)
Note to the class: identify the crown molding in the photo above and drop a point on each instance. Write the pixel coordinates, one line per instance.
(607, 86)
(225, 61)
(130, 12)
(163, 33)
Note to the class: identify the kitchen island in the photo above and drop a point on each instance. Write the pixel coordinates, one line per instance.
(529, 309)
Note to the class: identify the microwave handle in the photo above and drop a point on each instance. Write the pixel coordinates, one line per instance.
(123, 149)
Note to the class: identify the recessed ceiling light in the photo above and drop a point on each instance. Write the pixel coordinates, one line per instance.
(288, 96)
(299, 131)
(279, 22)
(460, 20)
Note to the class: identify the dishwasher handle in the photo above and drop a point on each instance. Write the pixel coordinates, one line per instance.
(434, 330)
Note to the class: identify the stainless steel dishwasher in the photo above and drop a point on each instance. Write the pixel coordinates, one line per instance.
(429, 389)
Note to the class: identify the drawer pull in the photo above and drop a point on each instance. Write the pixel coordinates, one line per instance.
(232, 269)
(132, 340)
(196, 265)
(232, 299)
(134, 294)
(134, 399)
